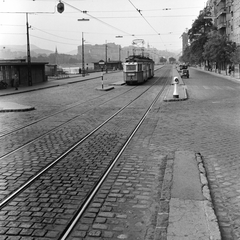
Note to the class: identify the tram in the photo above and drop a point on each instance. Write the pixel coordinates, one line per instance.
(137, 69)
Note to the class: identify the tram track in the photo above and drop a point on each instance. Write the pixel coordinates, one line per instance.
(54, 128)
(48, 170)
(2, 203)
(51, 115)
(30, 140)
(86, 203)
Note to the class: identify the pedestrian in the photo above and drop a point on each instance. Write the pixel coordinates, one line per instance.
(233, 70)
(16, 81)
(230, 69)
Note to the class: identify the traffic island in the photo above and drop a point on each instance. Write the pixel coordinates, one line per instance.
(105, 88)
(177, 91)
(186, 210)
(182, 94)
(14, 107)
(191, 210)
(120, 83)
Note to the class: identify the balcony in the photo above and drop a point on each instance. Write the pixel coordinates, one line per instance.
(222, 11)
(222, 25)
(220, 1)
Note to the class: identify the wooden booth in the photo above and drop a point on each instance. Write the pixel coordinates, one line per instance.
(9, 67)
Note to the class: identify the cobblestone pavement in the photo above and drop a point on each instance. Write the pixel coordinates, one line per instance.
(49, 101)
(126, 206)
(44, 209)
(208, 123)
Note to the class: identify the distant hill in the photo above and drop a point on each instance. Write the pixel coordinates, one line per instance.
(93, 53)
(18, 51)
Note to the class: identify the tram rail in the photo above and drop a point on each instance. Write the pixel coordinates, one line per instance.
(11, 201)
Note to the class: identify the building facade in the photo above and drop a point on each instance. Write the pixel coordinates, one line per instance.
(226, 17)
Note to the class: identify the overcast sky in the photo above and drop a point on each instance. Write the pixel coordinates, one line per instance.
(159, 23)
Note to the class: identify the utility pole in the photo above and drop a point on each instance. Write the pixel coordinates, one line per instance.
(28, 55)
(106, 57)
(119, 53)
(83, 64)
(119, 56)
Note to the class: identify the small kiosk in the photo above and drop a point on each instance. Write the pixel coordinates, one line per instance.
(9, 67)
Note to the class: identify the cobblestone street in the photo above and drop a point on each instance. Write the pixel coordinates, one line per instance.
(209, 123)
(130, 201)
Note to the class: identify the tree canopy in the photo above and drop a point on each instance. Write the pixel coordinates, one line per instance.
(207, 44)
(218, 48)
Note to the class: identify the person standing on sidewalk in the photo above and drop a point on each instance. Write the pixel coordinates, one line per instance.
(16, 81)
(230, 70)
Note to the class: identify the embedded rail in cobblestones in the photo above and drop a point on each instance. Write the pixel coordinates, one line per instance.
(49, 203)
(85, 204)
(41, 135)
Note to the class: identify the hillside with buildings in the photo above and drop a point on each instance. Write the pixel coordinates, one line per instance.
(92, 53)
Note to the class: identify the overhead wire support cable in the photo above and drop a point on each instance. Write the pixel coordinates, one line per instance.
(97, 19)
(35, 28)
(138, 10)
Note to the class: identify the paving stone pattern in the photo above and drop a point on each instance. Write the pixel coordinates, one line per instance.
(123, 208)
(43, 210)
(23, 164)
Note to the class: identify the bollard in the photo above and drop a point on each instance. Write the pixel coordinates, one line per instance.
(175, 92)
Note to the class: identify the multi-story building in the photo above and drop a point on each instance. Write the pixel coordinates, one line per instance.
(226, 17)
(236, 22)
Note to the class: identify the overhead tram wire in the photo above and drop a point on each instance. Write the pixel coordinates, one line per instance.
(97, 19)
(147, 10)
(139, 11)
(33, 28)
(53, 40)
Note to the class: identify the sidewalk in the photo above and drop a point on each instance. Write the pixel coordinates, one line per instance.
(223, 75)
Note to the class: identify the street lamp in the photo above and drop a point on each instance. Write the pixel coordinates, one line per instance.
(83, 64)
(106, 56)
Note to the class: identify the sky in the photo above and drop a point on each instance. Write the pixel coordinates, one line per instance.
(155, 23)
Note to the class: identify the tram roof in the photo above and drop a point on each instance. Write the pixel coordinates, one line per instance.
(138, 58)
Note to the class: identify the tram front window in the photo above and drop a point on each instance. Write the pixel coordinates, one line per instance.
(131, 68)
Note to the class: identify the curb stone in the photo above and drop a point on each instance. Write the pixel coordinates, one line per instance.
(212, 222)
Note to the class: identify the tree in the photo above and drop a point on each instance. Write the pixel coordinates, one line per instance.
(163, 60)
(235, 56)
(218, 49)
(198, 35)
(172, 60)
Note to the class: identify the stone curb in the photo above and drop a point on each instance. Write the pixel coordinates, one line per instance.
(211, 217)
(163, 211)
(171, 99)
(18, 110)
(37, 88)
(183, 95)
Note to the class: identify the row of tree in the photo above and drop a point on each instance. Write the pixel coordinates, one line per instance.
(208, 46)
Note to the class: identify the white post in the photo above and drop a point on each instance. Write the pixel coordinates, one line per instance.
(175, 92)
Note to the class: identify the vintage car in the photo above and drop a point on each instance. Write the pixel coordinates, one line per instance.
(184, 71)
